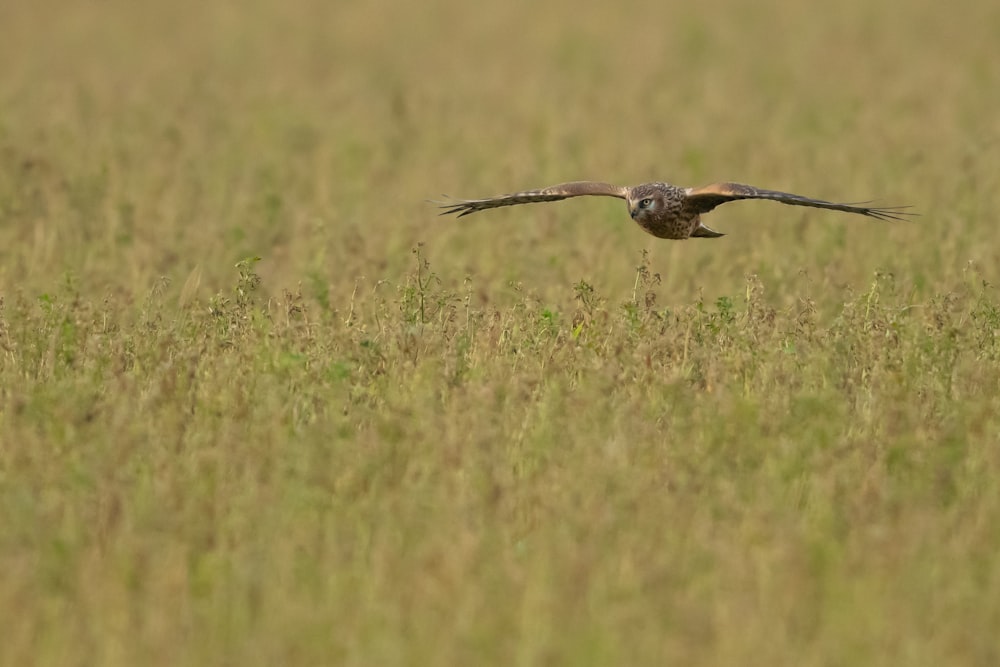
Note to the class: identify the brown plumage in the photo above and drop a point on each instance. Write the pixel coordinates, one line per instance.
(668, 211)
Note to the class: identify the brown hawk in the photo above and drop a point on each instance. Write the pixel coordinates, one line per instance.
(668, 211)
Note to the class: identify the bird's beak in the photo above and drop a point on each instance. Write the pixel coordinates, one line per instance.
(633, 212)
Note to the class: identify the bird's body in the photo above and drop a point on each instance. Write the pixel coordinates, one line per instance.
(668, 211)
(672, 219)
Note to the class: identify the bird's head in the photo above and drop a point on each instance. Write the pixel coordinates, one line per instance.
(644, 202)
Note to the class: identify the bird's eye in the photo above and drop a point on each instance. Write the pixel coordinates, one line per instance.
(646, 203)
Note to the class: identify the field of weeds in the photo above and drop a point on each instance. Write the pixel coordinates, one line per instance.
(260, 404)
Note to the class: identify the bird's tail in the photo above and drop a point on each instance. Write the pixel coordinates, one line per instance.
(703, 232)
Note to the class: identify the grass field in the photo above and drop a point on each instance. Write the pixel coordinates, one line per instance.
(533, 436)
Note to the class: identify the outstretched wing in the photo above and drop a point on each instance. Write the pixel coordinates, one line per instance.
(703, 200)
(553, 193)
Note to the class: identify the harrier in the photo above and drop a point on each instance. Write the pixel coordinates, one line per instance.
(667, 211)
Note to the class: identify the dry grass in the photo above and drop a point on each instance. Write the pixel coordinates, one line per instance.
(404, 439)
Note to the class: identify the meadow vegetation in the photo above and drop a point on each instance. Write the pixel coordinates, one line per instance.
(260, 405)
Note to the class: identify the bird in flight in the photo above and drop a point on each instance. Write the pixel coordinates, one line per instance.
(667, 211)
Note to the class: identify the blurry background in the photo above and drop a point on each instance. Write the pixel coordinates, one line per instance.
(143, 140)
